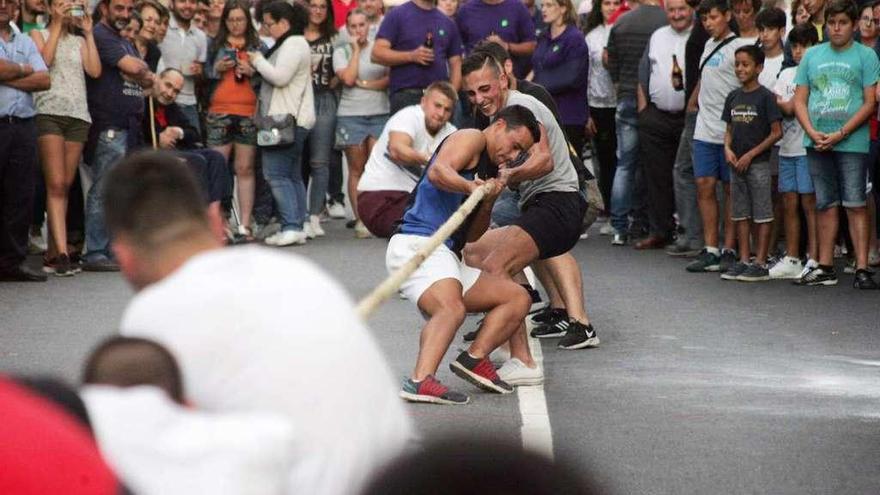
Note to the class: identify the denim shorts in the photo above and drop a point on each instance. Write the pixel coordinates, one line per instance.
(354, 130)
(794, 175)
(224, 129)
(839, 178)
(751, 193)
(709, 161)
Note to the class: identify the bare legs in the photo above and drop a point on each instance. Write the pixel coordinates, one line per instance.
(357, 156)
(244, 175)
(60, 161)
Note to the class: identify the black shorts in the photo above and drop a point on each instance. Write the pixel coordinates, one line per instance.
(553, 220)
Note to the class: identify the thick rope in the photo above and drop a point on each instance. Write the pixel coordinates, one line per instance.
(390, 285)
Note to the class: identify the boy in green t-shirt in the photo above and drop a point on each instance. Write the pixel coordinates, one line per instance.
(833, 100)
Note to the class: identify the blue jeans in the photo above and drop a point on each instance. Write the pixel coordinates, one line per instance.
(686, 186)
(322, 139)
(506, 208)
(839, 177)
(626, 121)
(109, 151)
(191, 112)
(282, 168)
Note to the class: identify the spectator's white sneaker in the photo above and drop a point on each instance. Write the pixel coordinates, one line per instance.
(287, 238)
(516, 373)
(606, 229)
(873, 258)
(361, 231)
(336, 210)
(809, 266)
(36, 244)
(499, 356)
(788, 268)
(314, 224)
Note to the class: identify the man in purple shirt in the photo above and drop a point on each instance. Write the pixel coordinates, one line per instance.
(402, 44)
(506, 22)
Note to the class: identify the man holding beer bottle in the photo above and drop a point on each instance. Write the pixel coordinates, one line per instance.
(420, 45)
(661, 106)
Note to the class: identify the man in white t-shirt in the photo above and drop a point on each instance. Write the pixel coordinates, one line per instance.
(407, 142)
(717, 80)
(253, 330)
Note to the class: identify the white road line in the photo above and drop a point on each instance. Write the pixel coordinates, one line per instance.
(537, 435)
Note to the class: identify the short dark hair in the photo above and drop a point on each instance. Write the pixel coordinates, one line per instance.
(477, 60)
(706, 6)
(296, 15)
(804, 34)
(153, 198)
(756, 4)
(496, 50)
(516, 116)
(753, 51)
(847, 7)
(444, 88)
(480, 464)
(131, 361)
(773, 18)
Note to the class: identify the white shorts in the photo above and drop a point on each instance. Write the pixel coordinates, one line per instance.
(441, 264)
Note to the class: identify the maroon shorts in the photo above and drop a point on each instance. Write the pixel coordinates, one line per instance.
(380, 210)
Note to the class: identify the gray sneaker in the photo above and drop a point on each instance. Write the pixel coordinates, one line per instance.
(755, 273)
(681, 250)
(618, 239)
(735, 271)
(728, 259)
(705, 262)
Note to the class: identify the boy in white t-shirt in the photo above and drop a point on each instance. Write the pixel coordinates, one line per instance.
(795, 182)
(771, 26)
(717, 80)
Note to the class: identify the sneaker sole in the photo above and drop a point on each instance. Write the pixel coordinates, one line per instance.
(593, 342)
(682, 254)
(816, 284)
(708, 269)
(525, 382)
(765, 278)
(728, 276)
(548, 335)
(475, 379)
(786, 277)
(430, 399)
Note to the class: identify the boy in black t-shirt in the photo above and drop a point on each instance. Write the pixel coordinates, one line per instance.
(753, 126)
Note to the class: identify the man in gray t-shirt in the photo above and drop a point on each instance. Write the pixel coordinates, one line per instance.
(551, 209)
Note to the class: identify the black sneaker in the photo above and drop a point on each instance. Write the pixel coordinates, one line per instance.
(754, 273)
(735, 271)
(537, 303)
(865, 280)
(554, 329)
(728, 259)
(705, 262)
(480, 372)
(818, 277)
(472, 336)
(579, 336)
(431, 391)
(548, 315)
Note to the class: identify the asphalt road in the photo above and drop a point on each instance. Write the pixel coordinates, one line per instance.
(699, 386)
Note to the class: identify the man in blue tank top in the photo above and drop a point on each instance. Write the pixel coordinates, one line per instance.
(440, 286)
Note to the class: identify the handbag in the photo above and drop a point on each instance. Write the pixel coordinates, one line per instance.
(273, 130)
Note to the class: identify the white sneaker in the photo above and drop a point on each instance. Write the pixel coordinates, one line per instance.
(361, 231)
(307, 230)
(336, 210)
(606, 229)
(287, 238)
(515, 372)
(314, 225)
(788, 268)
(36, 244)
(874, 258)
(809, 266)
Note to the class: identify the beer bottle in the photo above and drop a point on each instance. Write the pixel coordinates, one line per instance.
(677, 77)
(429, 40)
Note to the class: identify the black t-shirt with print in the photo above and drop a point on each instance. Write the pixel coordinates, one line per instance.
(749, 115)
(322, 63)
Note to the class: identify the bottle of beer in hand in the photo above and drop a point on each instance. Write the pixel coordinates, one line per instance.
(677, 77)
(429, 40)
